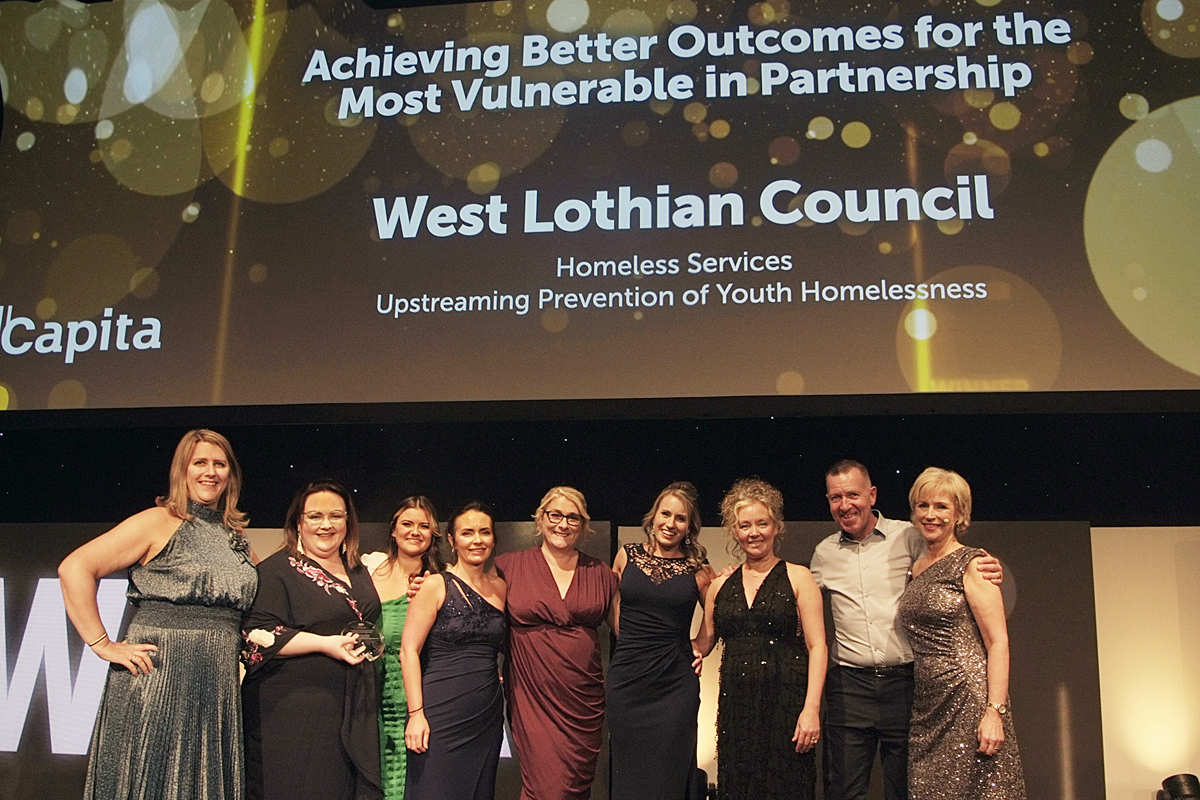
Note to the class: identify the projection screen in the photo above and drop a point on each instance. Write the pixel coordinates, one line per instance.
(319, 202)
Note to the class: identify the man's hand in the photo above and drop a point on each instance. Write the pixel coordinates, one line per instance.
(989, 568)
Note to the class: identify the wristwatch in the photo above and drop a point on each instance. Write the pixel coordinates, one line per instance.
(1003, 709)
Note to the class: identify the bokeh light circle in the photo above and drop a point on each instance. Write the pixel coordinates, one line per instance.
(783, 151)
(1153, 155)
(1169, 10)
(1134, 106)
(856, 134)
(67, 394)
(567, 16)
(820, 128)
(91, 273)
(920, 324)
(555, 320)
(789, 382)
(1140, 231)
(1008, 341)
(723, 175)
(1173, 26)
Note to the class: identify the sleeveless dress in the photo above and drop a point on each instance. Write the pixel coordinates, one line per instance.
(951, 693)
(553, 681)
(653, 693)
(764, 680)
(312, 721)
(393, 705)
(176, 733)
(464, 703)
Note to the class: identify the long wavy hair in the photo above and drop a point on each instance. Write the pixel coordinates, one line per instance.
(176, 499)
(693, 552)
(431, 559)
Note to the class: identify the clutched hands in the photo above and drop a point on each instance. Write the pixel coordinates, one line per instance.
(345, 647)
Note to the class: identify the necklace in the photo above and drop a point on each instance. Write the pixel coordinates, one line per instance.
(759, 575)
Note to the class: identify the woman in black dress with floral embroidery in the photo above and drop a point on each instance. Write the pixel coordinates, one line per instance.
(310, 697)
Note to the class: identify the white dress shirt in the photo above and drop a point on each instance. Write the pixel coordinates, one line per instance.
(864, 581)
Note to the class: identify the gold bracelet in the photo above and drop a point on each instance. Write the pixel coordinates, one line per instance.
(101, 638)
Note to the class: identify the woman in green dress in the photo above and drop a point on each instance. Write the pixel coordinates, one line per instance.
(412, 551)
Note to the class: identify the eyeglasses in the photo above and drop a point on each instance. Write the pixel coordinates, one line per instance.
(555, 517)
(315, 518)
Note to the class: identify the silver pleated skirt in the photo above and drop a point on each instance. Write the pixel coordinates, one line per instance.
(175, 734)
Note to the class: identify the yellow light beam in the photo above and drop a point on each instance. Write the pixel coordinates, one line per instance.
(921, 349)
(254, 47)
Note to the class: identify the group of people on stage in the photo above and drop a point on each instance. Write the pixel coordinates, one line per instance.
(918, 668)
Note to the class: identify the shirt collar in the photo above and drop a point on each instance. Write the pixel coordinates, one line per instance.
(875, 531)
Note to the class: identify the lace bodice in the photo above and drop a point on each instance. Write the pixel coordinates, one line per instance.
(657, 568)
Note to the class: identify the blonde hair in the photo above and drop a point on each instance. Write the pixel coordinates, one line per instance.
(693, 552)
(935, 479)
(176, 499)
(747, 492)
(570, 494)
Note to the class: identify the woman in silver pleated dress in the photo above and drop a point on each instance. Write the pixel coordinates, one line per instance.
(169, 725)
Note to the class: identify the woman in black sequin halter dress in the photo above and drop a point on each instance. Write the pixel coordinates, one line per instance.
(961, 744)
(769, 615)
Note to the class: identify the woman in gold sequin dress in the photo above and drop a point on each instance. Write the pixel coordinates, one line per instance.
(961, 743)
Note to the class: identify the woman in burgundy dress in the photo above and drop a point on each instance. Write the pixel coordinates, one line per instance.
(557, 598)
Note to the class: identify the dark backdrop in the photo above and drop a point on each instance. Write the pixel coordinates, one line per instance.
(1119, 459)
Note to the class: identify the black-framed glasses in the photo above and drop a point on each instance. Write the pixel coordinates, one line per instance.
(555, 517)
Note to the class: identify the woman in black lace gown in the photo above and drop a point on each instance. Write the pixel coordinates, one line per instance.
(768, 614)
(653, 692)
(453, 634)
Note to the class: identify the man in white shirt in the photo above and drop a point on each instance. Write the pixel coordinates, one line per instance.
(862, 570)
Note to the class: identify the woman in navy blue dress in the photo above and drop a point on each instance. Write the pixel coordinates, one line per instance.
(653, 691)
(448, 653)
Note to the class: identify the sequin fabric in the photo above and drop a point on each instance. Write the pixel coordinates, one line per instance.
(657, 568)
(466, 619)
(764, 679)
(951, 693)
